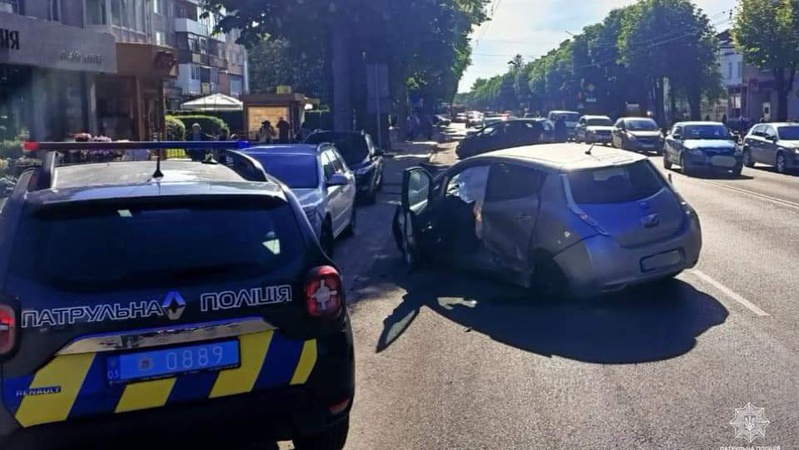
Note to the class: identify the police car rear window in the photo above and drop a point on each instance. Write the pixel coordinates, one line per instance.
(111, 246)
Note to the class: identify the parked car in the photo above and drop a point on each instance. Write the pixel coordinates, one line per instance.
(361, 155)
(698, 146)
(571, 120)
(504, 214)
(502, 134)
(594, 129)
(441, 120)
(150, 302)
(639, 134)
(461, 118)
(325, 187)
(774, 144)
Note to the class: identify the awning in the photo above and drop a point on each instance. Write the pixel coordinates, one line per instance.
(213, 102)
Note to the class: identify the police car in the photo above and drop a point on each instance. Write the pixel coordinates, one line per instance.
(152, 303)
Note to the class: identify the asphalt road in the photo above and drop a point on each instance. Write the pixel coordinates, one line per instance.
(449, 361)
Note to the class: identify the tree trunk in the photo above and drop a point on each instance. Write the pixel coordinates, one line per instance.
(660, 113)
(672, 105)
(342, 101)
(695, 103)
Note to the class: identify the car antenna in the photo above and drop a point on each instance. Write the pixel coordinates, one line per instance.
(588, 152)
(158, 174)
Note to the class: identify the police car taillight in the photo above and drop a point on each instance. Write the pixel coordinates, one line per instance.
(8, 329)
(324, 292)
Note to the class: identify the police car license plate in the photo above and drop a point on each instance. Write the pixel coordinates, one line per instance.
(138, 366)
(661, 261)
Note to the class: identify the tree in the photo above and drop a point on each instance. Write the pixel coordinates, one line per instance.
(274, 62)
(766, 32)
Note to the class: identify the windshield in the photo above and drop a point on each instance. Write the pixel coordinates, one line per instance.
(789, 133)
(619, 184)
(352, 146)
(706, 132)
(296, 171)
(599, 122)
(139, 244)
(641, 125)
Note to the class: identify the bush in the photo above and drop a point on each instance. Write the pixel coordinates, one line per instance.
(175, 129)
(10, 149)
(210, 124)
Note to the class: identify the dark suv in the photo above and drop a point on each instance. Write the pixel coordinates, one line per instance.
(360, 154)
(190, 301)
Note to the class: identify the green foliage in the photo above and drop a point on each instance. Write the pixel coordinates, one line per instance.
(175, 129)
(209, 124)
(624, 58)
(425, 42)
(767, 34)
(275, 62)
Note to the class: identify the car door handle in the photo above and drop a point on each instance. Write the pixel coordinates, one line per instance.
(524, 217)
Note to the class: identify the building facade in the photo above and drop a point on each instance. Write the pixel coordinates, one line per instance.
(49, 66)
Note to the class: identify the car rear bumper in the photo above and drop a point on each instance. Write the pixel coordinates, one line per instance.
(240, 420)
(600, 138)
(282, 413)
(599, 265)
(644, 146)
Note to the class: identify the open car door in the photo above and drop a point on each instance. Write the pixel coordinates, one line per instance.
(412, 222)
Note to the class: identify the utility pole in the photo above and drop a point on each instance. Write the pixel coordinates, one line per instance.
(342, 95)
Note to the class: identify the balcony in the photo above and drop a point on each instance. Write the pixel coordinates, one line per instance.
(183, 25)
(219, 63)
(189, 57)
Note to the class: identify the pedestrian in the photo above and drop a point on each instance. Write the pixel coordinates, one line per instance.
(561, 130)
(224, 135)
(196, 135)
(411, 132)
(283, 131)
(266, 133)
(724, 119)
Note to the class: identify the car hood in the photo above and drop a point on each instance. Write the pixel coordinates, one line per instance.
(599, 128)
(699, 144)
(308, 198)
(645, 133)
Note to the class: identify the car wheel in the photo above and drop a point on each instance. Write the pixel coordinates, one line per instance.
(666, 162)
(736, 172)
(781, 164)
(747, 158)
(549, 280)
(326, 239)
(333, 438)
(350, 230)
(685, 169)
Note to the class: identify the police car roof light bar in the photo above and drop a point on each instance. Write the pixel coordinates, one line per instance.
(34, 146)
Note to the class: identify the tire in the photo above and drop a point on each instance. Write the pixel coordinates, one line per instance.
(549, 280)
(747, 158)
(350, 230)
(781, 163)
(736, 172)
(685, 170)
(334, 438)
(666, 162)
(326, 239)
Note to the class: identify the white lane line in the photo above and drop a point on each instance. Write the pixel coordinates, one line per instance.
(730, 293)
(766, 197)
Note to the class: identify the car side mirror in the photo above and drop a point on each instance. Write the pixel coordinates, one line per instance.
(773, 139)
(337, 180)
(676, 136)
(379, 152)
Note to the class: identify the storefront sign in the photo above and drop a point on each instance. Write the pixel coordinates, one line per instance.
(32, 42)
(9, 39)
(78, 57)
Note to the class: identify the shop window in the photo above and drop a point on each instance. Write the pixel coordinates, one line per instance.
(96, 12)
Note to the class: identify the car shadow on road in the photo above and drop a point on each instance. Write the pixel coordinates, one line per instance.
(641, 325)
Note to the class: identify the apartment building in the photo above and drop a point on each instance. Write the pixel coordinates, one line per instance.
(49, 64)
(167, 54)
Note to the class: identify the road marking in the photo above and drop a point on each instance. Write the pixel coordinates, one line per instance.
(766, 197)
(730, 293)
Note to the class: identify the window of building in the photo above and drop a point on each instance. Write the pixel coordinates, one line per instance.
(11, 6)
(54, 10)
(158, 7)
(729, 70)
(96, 12)
(160, 38)
(117, 12)
(740, 69)
(195, 72)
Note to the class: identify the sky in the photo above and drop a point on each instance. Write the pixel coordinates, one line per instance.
(534, 27)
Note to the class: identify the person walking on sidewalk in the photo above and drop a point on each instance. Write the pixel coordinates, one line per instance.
(283, 131)
(196, 135)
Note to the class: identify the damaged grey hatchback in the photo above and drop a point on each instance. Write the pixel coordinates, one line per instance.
(568, 219)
